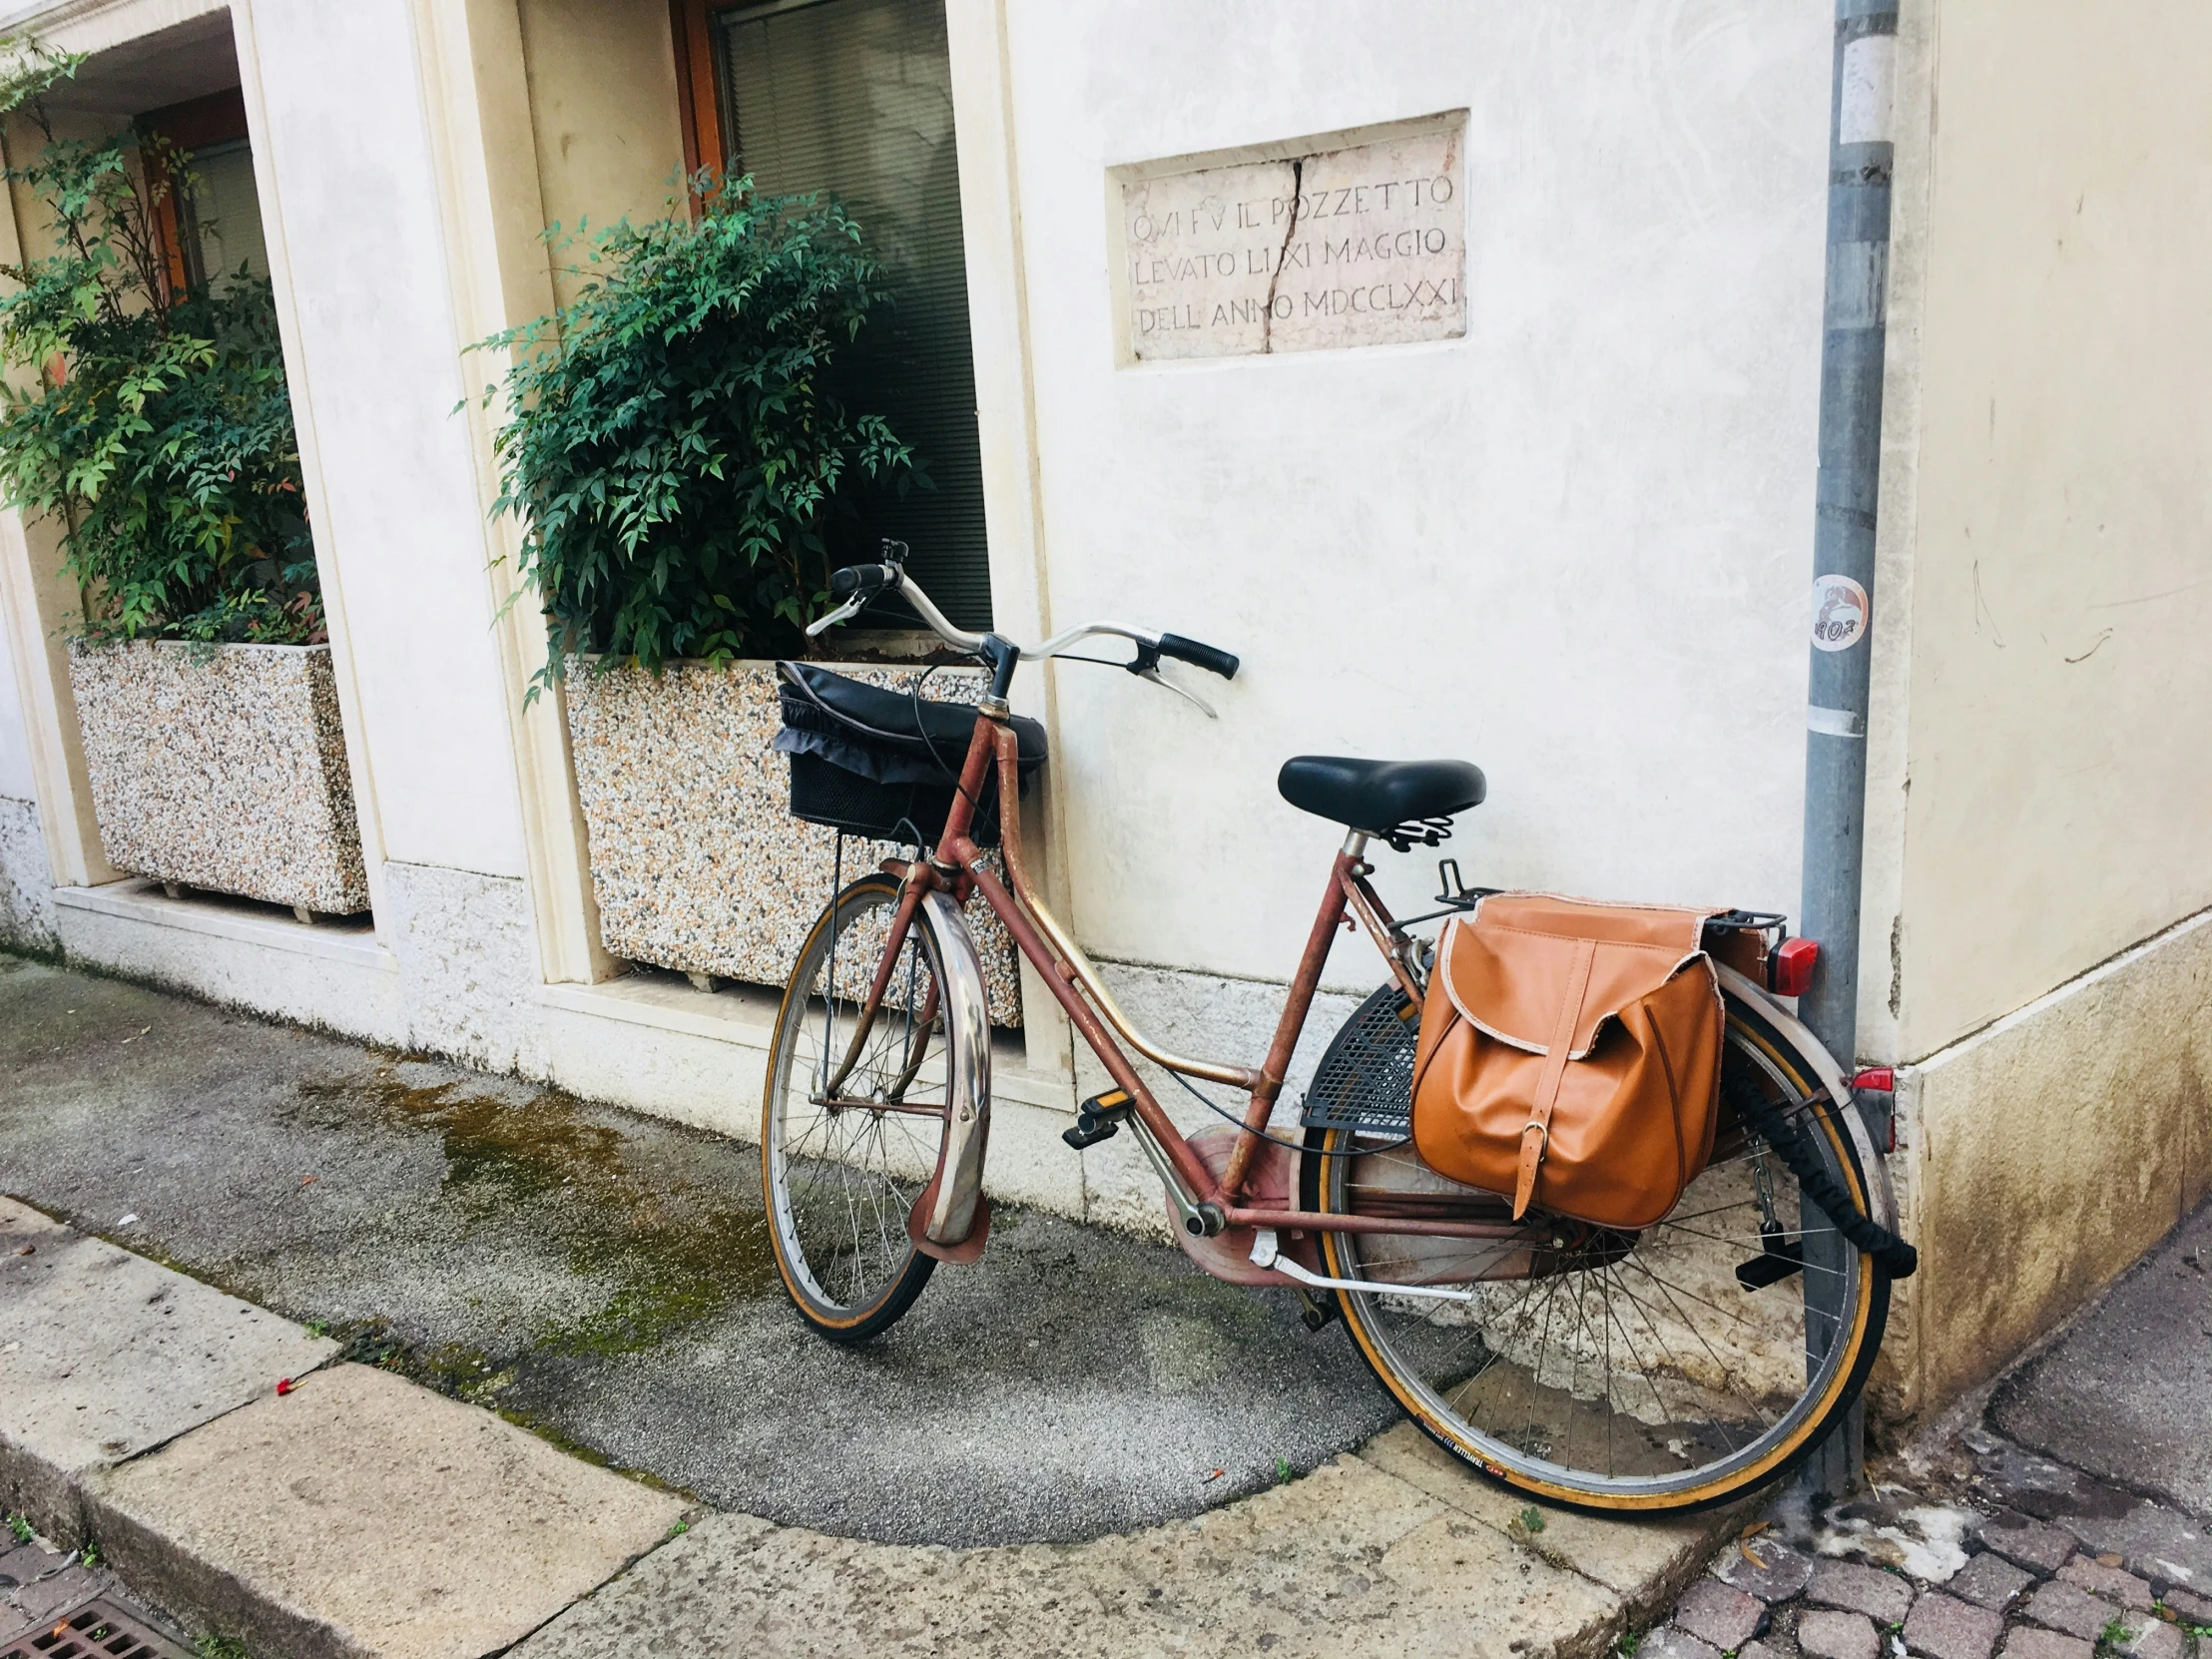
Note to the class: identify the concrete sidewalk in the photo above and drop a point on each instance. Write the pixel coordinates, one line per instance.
(1078, 1442)
(605, 1278)
(506, 1261)
(358, 1514)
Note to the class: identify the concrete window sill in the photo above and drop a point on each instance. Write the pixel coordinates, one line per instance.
(350, 941)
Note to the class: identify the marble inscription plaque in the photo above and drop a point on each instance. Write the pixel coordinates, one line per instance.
(1364, 244)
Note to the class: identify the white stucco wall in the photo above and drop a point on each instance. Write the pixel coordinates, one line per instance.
(603, 109)
(26, 880)
(15, 750)
(2060, 697)
(2038, 876)
(1571, 547)
(379, 374)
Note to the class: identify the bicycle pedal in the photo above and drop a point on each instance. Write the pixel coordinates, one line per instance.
(1097, 1119)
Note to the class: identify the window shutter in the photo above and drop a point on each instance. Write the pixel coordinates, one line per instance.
(224, 215)
(854, 97)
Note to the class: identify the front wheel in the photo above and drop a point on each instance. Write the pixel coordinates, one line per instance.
(843, 1158)
(1671, 1368)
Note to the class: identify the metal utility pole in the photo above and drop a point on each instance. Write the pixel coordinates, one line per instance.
(1854, 332)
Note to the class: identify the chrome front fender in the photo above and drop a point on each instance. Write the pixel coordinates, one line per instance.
(945, 1214)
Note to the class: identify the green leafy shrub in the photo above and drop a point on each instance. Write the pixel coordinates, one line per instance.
(155, 426)
(674, 442)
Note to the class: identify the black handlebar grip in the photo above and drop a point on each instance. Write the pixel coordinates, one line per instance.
(865, 580)
(1206, 656)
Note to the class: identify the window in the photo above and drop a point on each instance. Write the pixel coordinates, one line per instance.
(212, 227)
(854, 97)
(220, 216)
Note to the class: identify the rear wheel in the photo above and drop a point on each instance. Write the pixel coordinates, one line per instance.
(840, 1167)
(1669, 1368)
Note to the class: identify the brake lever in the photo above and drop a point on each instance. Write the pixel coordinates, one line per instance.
(1145, 665)
(852, 607)
(1153, 674)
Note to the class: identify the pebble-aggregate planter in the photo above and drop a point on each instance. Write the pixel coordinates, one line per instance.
(696, 861)
(221, 767)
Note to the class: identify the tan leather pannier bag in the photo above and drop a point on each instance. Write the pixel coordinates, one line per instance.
(1569, 1055)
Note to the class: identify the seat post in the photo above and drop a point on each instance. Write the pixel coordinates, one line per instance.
(1356, 844)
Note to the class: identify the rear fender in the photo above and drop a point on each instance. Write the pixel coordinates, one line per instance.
(1881, 1204)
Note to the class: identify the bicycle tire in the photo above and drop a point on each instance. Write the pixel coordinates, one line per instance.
(813, 1160)
(1556, 1397)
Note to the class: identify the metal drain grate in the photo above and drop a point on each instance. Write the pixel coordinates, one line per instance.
(1366, 1080)
(97, 1630)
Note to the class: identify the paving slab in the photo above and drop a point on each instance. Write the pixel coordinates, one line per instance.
(1647, 1561)
(1764, 1567)
(1347, 1561)
(2112, 1583)
(363, 1514)
(2076, 1612)
(2083, 1402)
(1989, 1580)
(1823, 1634)
(1719, 1614)
(2156, 1543)
(2028, 1543)
(1884, 1597)
(2153, 1640)
(105, 1355)
(2195, 1608)
(1944, 1627)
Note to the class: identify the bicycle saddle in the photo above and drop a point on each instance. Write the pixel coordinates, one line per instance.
(1378, 795)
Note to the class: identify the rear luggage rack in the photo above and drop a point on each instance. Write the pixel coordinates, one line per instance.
(1366, 1080)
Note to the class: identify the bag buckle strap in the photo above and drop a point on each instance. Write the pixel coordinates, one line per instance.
(1537, 1137)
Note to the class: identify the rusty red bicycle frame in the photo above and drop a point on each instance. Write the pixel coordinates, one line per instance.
(956, 865)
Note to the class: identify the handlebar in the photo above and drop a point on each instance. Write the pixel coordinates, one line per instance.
(863, 582)
(858, 584)
(1212, 659)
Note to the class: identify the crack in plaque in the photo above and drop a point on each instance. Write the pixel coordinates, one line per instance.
(1274, 276)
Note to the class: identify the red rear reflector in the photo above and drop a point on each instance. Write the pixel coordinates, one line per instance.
(1789, 969)
(1879, 1079)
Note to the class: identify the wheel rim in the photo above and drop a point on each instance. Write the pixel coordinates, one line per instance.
(842, 1181)
(1644, 1376)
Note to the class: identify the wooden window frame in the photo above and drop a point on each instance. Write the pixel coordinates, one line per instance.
(697, 94)
(195, 124)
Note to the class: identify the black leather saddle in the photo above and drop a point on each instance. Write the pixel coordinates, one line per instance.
(1378, 795)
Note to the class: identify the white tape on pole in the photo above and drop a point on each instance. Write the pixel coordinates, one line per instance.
(1870, 77)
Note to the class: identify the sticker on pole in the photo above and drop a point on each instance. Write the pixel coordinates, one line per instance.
(1839, 613)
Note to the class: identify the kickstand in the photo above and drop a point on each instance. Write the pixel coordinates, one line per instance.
(1313, 1312)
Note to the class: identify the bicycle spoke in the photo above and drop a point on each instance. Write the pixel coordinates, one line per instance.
(1616, 1360)
(848, 1175)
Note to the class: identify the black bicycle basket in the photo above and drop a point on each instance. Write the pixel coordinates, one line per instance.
(884, 764)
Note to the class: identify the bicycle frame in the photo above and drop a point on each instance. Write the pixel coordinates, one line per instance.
(1212, 1203)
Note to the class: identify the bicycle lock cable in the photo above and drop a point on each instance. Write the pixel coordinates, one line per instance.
(1890, 1254)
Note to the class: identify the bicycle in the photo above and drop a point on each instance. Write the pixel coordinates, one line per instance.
(1671, 1368)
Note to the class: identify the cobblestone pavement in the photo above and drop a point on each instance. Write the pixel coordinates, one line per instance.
(2064, 1521)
